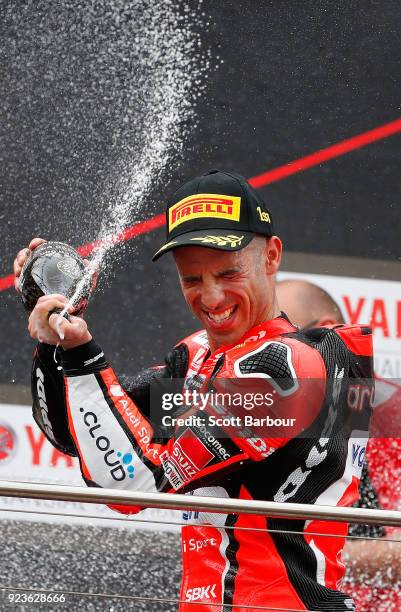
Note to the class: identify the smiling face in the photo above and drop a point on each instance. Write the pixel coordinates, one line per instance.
(230, 292)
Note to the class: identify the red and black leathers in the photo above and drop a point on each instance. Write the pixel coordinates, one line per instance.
(123, 442)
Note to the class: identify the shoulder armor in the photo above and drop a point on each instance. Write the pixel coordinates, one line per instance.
(271, 359)
(284, 360)
(357, 338)
(282, 378)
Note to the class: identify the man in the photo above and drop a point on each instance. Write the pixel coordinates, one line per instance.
(308, 305)
(373, 562)
(227, 256)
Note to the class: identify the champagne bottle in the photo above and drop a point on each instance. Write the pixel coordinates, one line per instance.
(55, 267)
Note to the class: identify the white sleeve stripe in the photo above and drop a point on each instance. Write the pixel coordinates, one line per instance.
(105, 447)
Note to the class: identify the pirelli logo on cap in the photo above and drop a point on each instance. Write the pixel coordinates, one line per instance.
(204, 205)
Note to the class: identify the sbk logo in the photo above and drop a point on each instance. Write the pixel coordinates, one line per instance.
(120, 464)
(205, 592)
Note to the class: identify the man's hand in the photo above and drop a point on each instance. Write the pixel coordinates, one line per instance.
(53, 329)
(21, 258)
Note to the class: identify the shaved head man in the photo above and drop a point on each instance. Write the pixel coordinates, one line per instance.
(307, 305)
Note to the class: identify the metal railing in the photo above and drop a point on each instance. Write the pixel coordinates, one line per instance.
(200, 503)
(187, 502)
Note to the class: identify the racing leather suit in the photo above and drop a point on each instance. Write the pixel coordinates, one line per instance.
(85, 410)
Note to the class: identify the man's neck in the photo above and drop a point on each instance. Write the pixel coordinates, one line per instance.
(276, 312)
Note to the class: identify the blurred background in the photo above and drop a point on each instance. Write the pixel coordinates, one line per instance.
(106, 107)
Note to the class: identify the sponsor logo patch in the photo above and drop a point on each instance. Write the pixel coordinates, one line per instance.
(264, 216)
(93, 359)
(201, 592)
(8, 442)
(198, 545)
(222, 241)
(204, 205)
(118, 464)
(191, 446)
(40, 387)
(188, 456)
(358, 455)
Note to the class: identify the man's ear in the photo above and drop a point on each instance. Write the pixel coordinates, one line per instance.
(274, 248)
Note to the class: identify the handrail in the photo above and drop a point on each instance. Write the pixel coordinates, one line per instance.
(197, 502)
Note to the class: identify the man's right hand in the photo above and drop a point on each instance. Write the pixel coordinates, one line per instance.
(22, 257)
(51, 328)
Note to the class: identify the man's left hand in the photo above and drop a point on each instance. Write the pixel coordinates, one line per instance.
(49, 327)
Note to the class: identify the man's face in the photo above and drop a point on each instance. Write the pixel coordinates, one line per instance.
(228, 292)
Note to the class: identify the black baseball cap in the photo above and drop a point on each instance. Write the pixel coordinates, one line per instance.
(218, 210)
